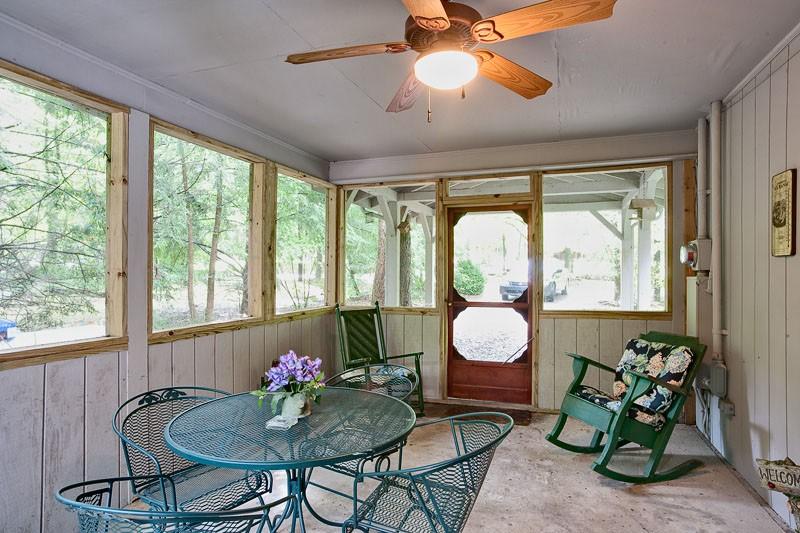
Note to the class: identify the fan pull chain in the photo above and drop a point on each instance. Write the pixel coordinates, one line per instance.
(463, 93)
(429, 106)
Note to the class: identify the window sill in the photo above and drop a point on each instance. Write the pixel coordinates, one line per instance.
(301, 314)
(396, 310)
(627, 315)
(37, 355)
(201, 330)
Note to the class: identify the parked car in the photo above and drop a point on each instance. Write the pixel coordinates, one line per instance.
(556, 282)
(8, 329)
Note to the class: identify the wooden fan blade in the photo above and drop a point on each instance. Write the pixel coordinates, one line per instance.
(538, 18)
(510, 75)
(428, 14)
(348, 51)
(406, 95)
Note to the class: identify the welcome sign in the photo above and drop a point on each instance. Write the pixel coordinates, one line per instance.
(781, 476)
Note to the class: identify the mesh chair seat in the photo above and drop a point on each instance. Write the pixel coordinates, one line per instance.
(435, 498)
(91, 501)
(203, 488)
(395, 505)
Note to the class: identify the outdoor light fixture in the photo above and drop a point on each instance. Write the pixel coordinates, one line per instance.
(446, 69)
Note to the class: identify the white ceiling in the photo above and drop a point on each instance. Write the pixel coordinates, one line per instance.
(653, 66)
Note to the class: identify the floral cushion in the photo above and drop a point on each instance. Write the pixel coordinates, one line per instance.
(637, 412)
(663, 361)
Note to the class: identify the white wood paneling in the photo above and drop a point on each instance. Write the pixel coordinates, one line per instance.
(430, 358)
(159, 366)
(241, 360)
(204, 361)
(566, 330)
(588, 344)
(63, 449)
(610, 350)
(183, 362)
(257, 356)
(101, 444)
(223, 361)
(547, 365)
(21, 428)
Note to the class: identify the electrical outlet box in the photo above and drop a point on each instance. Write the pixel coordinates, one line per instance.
(697, 255)
(718, 377)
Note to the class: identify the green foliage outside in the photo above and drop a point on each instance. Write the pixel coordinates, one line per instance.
(300, 245)
(469, 280)
(53, 164)
(201, 205)
(364, 231)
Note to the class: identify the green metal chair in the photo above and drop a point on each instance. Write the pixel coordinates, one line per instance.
(652, 381)
(435, 498)
(198, 487)
(361, 342)
(92, 503)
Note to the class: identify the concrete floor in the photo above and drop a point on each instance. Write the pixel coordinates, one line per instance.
(533, 486)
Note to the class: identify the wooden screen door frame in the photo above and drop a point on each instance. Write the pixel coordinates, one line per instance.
(511, 382)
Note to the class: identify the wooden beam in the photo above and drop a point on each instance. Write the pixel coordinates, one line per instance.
(592, 187)
(611, 227)
(582, 206)
(117, 220)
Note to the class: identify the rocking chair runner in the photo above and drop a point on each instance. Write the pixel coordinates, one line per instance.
(361, 343)
(645, 405)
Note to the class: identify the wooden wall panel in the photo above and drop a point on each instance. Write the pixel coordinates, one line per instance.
(566, 330)
(257, 357)
(270, 345)
(101, 444)
(547, 365)
(610, 338)
(588, 344)
(183, 354)
(777, 286)
(430, 358)
(793, 270)
(159, 366)
(63, 449)
(241, 360)
(204, 361)
(223, 361)
(21, 430)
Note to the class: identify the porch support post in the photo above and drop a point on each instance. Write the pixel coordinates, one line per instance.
(426, 230)
(626, 256)
(391, 217)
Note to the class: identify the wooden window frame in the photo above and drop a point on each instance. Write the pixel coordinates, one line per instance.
(258, 236)
(341, 227)
(116, 225)
(330, 244)
(484, 199)
(668, 223)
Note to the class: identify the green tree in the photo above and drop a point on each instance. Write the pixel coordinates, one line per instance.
(469, 280)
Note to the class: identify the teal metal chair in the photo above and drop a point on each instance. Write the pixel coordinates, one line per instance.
(92, 503)
(140, 424)
(435, 498)
(652, 381)
(361, 343)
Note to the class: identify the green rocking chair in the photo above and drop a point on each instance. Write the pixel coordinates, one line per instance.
(651, 384)
(361, 343)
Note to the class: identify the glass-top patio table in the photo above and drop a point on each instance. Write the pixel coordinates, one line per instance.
(230, 432)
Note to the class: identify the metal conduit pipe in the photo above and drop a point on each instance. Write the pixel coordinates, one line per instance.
(716, 232)
(702, 178)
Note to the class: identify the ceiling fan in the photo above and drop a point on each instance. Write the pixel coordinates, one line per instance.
(446, 36)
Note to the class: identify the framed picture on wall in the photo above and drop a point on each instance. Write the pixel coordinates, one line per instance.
(783, 213)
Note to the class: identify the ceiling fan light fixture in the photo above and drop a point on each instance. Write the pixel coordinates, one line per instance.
(446, 69)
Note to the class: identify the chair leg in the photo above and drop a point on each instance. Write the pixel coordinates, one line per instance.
(552, 437)
(650, 475)
(420, 395)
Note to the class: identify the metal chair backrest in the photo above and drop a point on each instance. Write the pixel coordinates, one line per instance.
(391, 380)
(361, 340)
(448, 489)
(142, 429)
(91, 501)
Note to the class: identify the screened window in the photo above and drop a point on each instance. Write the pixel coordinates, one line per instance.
(54, 163)
(301, 245)
(201, 210)
(605, 240)
(390, 245)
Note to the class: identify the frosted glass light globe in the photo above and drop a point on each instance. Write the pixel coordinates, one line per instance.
(448, 69)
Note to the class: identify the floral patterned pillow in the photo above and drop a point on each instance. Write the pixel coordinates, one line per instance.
(663, 361)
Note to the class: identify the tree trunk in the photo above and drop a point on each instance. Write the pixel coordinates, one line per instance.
(212, 259)
(404, 228)
(379, 281)
(189, 235)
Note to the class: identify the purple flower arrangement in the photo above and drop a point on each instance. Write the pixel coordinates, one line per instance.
(293, 375)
